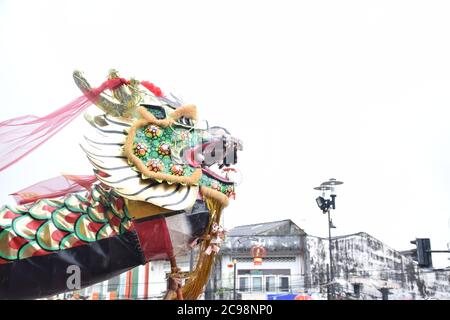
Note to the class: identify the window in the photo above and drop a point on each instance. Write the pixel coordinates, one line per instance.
(257, 284)
(243, 284)
(113, 283)
(284, 284)
(270, 284)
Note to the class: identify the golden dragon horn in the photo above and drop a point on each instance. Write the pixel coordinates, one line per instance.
(107, 104)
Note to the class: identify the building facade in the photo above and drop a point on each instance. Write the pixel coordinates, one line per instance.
(281, 270)
(366, 268)
(295, 265)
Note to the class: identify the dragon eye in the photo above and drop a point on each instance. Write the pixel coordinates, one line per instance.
(157, 111)
(186, 121)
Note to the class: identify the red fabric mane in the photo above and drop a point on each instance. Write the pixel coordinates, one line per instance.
(20, 136)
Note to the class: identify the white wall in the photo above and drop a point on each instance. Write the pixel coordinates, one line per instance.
(295, 267)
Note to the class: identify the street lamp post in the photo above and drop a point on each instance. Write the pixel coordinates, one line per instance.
(330, 225)
(326, 205)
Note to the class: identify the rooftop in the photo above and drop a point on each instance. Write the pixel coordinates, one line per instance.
(273, 228)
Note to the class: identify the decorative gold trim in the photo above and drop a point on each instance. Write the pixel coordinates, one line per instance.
(128, 148)
(214, 194)
(141, 209)
(188, 111)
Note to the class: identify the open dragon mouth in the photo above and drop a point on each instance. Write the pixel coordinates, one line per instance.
(216, 158)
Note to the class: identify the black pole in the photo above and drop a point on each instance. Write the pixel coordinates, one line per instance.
(384, 293)
(328, 281)
(331, 258)
(234, 282)
(191, 261)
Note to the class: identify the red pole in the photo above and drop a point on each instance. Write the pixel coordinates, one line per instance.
(147, 271)
(127, 285)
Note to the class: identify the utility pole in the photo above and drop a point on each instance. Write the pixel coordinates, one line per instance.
(328, 283)
(331, 257)
(234, 276)
(326, 205)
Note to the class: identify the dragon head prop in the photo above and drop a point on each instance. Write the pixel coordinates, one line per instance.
(145, 139)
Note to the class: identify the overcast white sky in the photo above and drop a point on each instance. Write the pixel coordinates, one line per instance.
(356, 90)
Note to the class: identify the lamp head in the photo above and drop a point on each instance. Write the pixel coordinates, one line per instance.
(322, 203)
(331, 183)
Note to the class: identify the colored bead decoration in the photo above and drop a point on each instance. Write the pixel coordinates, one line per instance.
(164, 149)
(229, 191)
(177, 169)
(153, 131)
(155, 165)
(216, 186)
(140, 149)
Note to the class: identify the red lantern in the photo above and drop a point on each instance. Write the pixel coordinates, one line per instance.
(258, 252)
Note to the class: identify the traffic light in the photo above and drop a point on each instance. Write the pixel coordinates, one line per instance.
(422, 253)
